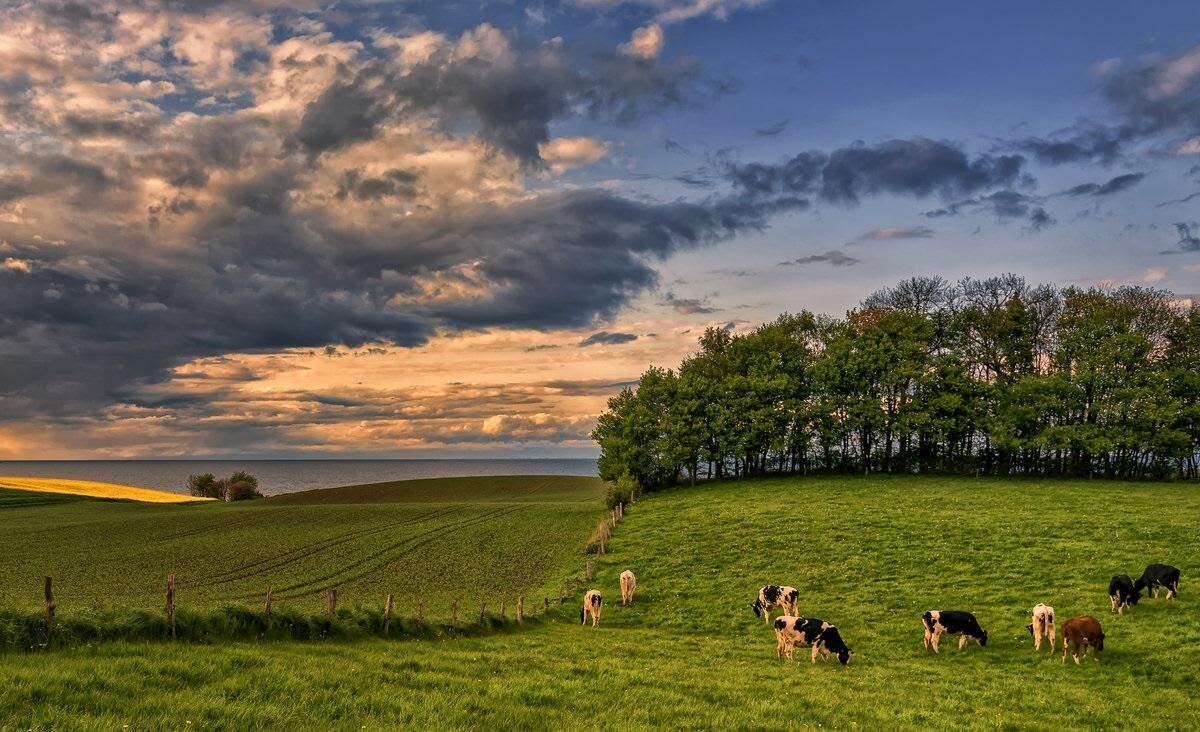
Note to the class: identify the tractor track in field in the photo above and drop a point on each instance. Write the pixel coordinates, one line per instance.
(389, 554)
(291, 556)
(231, 522)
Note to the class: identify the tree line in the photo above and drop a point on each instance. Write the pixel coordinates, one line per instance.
(983, 377)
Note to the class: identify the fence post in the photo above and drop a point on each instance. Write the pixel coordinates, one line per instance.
(50, 606)
(454, 614)
(267, 604)
(421, 610)
(171, 603)
(589, 572)
(331, 602)
(387, 615)
(520, 609)
(545, 604)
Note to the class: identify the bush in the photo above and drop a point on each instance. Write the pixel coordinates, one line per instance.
(240, 486)
(204, 485)
(622, 490)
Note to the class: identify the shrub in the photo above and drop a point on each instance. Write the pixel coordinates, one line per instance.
(240, 486)
(622, 490)
(204, 485)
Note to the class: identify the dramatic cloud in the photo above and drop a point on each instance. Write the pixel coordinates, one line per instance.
(687, 305)
(1113, 185)
(1003, 205)
(917, 167)
(835, 257)
(511, 93)
(1156, 99)
(645, 42)
(605, 338)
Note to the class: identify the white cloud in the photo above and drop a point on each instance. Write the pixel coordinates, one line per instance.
(674, 11)
(646, 42)
(564, 153)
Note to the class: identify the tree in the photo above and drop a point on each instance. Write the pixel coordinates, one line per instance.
(204, 485)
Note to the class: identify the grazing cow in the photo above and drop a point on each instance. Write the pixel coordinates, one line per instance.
(951, 622)
(1159, 575)
(591, 606)
(773, 596)
(1123, 593)
(1042, 626)
(823, 637)
(1082, 631)
(628, 585)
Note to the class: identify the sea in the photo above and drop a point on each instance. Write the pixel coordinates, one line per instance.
(288, 476)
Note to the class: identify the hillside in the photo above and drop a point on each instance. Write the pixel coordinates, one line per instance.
(439, 541)
(869, 554)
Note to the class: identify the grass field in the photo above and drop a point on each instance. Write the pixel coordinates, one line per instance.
(475, 539)
(869, 554)
(94, 489)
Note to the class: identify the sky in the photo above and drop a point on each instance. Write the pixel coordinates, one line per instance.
(415, 229)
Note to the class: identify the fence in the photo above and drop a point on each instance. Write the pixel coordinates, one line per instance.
(51, 628)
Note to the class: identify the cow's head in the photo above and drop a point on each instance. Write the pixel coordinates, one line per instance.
(981, 639)
(1030, 629)
(757, 607)
(1099, 644)
(1137, 595)
(844, 656)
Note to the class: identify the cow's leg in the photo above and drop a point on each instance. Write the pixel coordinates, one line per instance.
(1112, 599)
(962, 641)
(1172, 590)
(779, 644)
(1075, 652)
(1064, 654)
(1037, 634)
(1050, 634)
(937, 634)
(815, 650)
(928, 636)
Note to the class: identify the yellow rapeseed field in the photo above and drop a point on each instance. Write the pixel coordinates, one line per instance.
(95, 489)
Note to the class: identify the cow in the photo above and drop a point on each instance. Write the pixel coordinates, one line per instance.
(1042, 626)
(1122, 593)
(951, 622)
(823, 637)
(1159, 575)
(628, 585)
(1082, 631)
(773, 596)
(591, 606)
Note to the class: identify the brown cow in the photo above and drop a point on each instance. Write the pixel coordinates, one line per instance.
(591, 606)
(1079, 632)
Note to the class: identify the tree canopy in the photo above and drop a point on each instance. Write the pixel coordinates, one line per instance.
(992, 376)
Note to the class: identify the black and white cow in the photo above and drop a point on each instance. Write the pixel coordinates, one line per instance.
(1159, 575)
(592, 602)
(773, 596)
(951, 622)
(824, 638)
(1123, 593)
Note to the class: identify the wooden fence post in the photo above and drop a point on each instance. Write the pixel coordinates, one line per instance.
(331, 602)
(387, 615)
(589, 572)
(520, 609)
(454, 614)
(421, 610)
(267, 604)
(50, 606)
(545, 604)
(171, 603)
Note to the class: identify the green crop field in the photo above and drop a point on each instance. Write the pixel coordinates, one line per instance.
(469, 539)
(869, 554)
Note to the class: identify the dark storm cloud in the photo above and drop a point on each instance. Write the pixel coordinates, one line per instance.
(1109, 187)
(512, 103)
(917, 167)
(395, 182)
(605, 338)
(835, 257)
